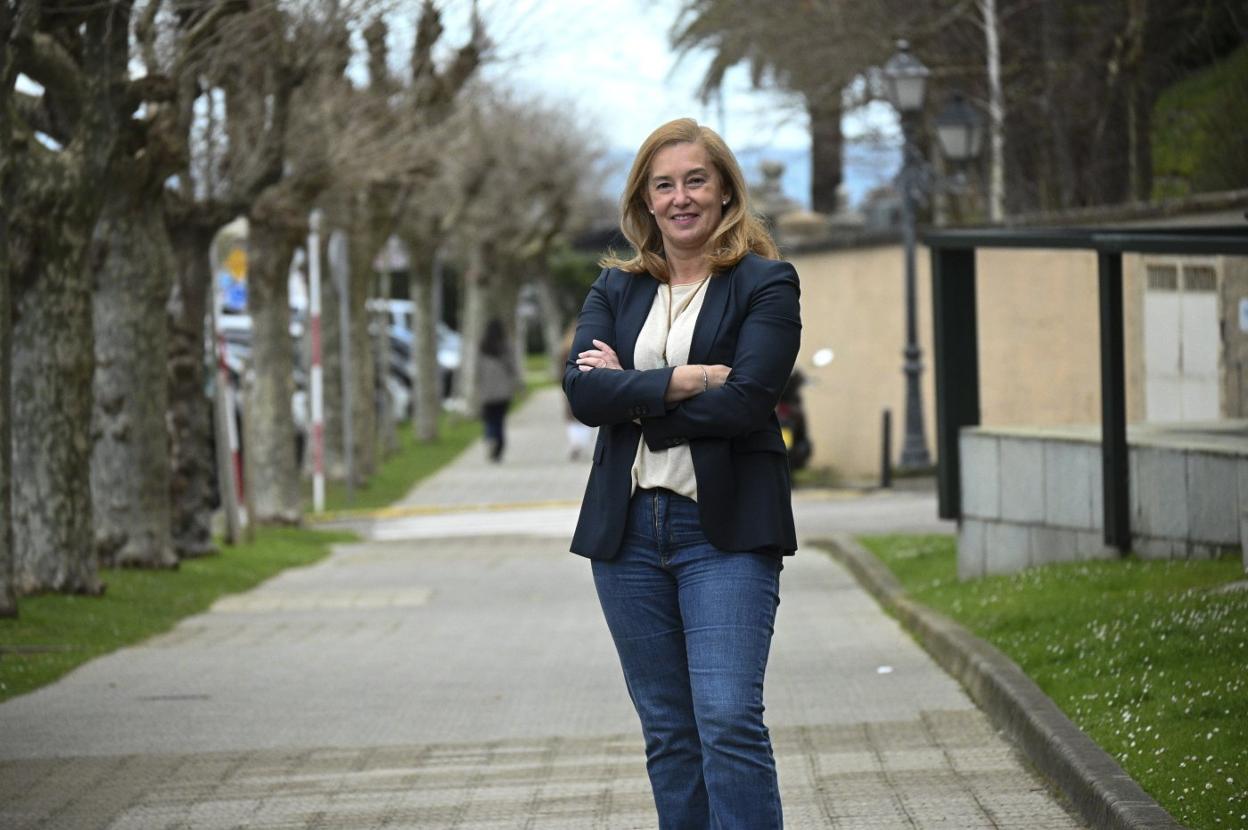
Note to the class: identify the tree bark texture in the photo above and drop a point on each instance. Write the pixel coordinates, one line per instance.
(426, 379)
(363, 361)
(192, 467)
(8, 75)
(331, 366)
(826, 151)
(55, 200)
(53, 357)
(268, 423)
(488, 293)
(131, 258)
(553, 324)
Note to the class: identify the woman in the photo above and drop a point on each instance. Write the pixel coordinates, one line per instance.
(496, 384)
(680, 355)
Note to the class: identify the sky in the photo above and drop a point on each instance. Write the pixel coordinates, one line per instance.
(610, 59)
(610, 62)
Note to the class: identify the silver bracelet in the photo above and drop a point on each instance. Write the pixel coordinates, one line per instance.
(706, 382)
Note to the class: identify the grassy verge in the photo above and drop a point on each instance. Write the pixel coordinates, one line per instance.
(1148, 658)
(413, 462)
(56, 633)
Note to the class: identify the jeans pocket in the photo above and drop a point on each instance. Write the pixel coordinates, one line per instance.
(684, 523)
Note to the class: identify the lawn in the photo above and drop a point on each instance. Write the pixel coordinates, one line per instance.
(412, 462)
(56, 633)
(1150, 659)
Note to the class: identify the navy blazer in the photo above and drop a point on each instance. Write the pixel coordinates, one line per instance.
(750, 320)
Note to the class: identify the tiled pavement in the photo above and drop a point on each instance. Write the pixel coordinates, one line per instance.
(453, 671)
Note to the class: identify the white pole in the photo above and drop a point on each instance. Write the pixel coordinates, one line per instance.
(315, 380)
(228, 472)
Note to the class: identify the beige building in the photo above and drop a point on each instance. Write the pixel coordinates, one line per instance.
(1186, 326)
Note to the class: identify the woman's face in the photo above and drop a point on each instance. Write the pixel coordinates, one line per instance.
(685, 193)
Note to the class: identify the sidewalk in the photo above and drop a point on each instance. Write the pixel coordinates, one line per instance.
(453, 671)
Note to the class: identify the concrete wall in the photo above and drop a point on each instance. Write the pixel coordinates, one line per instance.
(1031, 497)
(1038, 340)
(853, 302)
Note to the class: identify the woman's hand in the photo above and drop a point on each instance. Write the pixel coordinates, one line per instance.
(602, 357)
(688, 381)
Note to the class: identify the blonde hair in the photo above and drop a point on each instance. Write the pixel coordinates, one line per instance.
(739, 232)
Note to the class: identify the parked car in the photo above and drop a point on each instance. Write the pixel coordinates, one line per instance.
(398, 321)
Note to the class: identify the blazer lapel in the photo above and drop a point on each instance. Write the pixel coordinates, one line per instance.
(713, 306)
(632, 316)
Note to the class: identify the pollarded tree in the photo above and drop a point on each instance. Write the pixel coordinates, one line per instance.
(534, 166)
(231, 118)
(132, 260)
(61, 150)
(10, 18)
(342, 138)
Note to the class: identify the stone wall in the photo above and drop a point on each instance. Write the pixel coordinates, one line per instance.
(1034, 496)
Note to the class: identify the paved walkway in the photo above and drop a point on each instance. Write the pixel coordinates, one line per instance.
(453, 671)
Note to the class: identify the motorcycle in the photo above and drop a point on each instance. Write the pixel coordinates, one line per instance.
(792, 417)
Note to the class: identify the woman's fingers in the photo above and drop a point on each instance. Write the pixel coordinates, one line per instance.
(603, 358)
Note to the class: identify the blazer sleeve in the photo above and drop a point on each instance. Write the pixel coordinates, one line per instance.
(608, 396)
(766, 350)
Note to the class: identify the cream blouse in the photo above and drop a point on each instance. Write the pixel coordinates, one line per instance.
(671, 468)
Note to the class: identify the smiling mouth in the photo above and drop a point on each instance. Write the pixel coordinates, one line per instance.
(684, 217)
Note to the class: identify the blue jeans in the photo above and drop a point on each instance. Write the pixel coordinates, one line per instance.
(693, 625)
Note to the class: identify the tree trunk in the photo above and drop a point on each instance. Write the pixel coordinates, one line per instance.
(131, 259)
(363, 366)
(552, 321)
(192, 467)
(331, 364)
(426, 378)
(473, 316)
(268, 423)
(8, 596)
(1059, 135)
(53, 357)
(826, 149)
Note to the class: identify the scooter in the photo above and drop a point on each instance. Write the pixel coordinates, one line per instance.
(792, 417)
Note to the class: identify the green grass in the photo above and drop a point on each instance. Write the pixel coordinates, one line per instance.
(413, 462)
(1145, 657)
(56, 633)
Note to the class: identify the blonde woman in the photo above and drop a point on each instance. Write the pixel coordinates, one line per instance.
(681, 352)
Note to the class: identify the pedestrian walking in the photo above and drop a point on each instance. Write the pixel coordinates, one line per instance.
(497, 381)
(681, 352)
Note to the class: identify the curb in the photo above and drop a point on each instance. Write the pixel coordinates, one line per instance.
(1100, 790)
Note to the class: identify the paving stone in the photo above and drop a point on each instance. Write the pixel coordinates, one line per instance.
(467, 681)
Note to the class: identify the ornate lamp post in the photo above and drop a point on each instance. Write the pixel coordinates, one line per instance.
(960, 129)
(906, 78)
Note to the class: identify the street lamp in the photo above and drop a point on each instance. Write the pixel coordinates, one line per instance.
(960, 129)
(906, 79)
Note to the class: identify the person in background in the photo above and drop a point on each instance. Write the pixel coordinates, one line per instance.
(497, 381)
(681, 352)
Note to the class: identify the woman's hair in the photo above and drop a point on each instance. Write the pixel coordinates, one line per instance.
(739, 231)
(494, 339)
